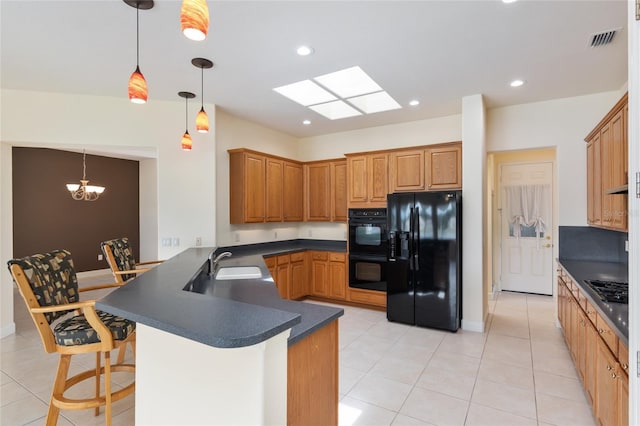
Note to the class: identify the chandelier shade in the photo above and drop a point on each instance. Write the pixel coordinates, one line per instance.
(138, 92)
(186, 143)
(194, 19)
(202, 119)
(84, 191)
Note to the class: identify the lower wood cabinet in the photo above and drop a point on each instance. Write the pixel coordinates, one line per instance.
(312, 378)
(310, 273)
(600, 357)
(368, 297)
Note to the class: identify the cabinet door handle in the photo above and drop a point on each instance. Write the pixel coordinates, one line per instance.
(609, 367)
(601, 330)
(625, 366)
(614, 376)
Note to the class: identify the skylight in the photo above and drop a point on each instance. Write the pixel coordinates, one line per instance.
(341, 94)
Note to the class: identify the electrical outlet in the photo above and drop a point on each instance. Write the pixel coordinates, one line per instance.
(198, 241)
(166, 242)
(100, 257)
(626, 245)
(176, 242)
(275, 234)
(237, 237)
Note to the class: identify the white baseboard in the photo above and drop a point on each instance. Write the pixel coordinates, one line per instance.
(477, 326)
(8, 330)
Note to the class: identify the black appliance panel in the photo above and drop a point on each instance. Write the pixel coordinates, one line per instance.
(368, 231)
(368, 272)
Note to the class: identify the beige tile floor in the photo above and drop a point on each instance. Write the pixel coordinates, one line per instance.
(518, 373)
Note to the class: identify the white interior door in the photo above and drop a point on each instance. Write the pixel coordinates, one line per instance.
(526, 259)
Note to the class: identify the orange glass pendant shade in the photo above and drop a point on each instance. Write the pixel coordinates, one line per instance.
(202, 121)
(194, 19)
(186, 141)
(137, 87)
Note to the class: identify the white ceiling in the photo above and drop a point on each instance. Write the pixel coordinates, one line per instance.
(434, 51)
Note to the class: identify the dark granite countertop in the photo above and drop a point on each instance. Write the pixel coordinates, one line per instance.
(221, 313)
(615, 314)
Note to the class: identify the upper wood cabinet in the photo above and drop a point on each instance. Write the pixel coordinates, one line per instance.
(325, 192)
(444, 167)
(246, 170)
(292, 192)
(430, 168)
(607, 170)
(258, 184)
(406, 171)
(367, 180)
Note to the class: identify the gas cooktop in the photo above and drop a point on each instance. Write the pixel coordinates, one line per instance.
(610, 291)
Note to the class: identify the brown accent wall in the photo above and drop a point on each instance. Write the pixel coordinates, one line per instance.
(45, 217)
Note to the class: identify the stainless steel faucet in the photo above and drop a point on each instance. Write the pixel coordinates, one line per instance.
(213, 261)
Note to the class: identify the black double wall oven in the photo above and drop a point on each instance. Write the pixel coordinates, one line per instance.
(368, 245)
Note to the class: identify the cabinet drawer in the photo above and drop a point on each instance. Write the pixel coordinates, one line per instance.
(283, 259)
(297, 257)
(582, 300)
(591, 312)
(319, 255)
(270, 261)
(607, 334)
(623, 357)
(337, 257)
(377, 298)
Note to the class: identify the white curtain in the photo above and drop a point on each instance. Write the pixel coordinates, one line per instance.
(527, 205)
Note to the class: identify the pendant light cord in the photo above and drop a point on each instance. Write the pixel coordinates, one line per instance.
(202, 85)
(84, 165)
(186, 114)
(137, 34)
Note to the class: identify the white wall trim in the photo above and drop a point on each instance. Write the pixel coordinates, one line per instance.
(477, 326)
(7, 330)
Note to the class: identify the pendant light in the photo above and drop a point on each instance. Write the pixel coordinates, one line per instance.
(186, 138)
(202, 120)
(194, 19)
(137, 85)
(83, 191)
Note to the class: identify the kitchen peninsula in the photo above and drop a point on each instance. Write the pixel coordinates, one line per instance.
(227, 351)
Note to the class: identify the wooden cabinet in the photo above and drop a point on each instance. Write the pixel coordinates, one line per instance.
(607, 371)
(406, 170)
(271, 263)
(367, 180)
(338, 170)
(594, 182)
(283, 275)
(444, 167)
(607, 170)
(325, 191)
(312, 378)
(367, 297)
(257, 187)
(247, 170)
(319, 277)
(338, 276)
(600, 357)
(292, 192)
(273, 196)
(299, 286)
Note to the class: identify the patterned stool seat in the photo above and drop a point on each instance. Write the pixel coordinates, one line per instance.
(77, 330)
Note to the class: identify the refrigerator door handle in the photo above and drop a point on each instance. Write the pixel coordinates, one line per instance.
(416, 240)
(410, 238)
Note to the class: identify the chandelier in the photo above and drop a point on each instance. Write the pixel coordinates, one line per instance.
(84, 192)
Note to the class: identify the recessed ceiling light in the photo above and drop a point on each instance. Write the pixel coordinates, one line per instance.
(305, 92)
(509, 1)
(335, 110)
(349, 82)
(306, 122)
(516, 83)
(414, 102)
(374, 102)
(304, 50)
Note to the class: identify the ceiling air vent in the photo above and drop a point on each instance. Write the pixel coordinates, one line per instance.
(600, 39)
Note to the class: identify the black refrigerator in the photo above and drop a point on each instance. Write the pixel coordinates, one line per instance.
(424, 262)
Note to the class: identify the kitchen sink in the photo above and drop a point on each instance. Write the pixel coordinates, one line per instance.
(238, 273)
